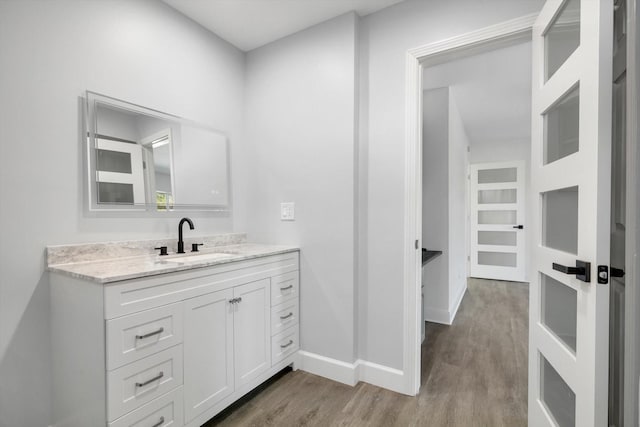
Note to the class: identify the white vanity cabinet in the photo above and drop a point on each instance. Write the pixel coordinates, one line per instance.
(227, 343)
(172, 349)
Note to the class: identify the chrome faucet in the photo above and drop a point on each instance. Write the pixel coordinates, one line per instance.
(180, 241)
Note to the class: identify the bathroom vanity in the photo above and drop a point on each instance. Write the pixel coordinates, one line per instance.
(149, 340)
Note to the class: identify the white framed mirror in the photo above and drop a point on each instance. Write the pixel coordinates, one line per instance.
(140, 159)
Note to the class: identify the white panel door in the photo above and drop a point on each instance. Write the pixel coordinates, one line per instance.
(208, 351)
(571, 176)
(252, 317)
(497, 207)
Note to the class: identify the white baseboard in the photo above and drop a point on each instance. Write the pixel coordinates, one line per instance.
(456, 304)
(334, 369)
(382, 376)
(437, 315)
(445, 317)
(352, 373)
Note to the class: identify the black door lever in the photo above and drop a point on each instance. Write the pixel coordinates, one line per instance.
(617, 272)
(582, 270)
(519, 227)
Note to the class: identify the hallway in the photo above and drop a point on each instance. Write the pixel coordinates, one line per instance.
(474, 373)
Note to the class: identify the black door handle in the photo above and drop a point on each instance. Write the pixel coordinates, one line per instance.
(519, 227)
(617, 272)
(582, 270)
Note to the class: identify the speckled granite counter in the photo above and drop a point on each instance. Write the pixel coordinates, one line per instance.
(116, 261)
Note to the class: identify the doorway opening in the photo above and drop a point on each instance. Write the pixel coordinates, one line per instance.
(476, 133)
(556, 98)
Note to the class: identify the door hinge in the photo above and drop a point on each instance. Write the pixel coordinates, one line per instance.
(417, 244)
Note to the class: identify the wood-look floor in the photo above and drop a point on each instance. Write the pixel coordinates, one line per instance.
(474, 373)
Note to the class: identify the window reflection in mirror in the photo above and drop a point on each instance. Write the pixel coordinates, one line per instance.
(140, 159)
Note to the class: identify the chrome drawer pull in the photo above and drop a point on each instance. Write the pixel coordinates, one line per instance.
(149, 381)
(159, 423)
(150, 334)
(286, 317)
(286, 288)
(287, 344)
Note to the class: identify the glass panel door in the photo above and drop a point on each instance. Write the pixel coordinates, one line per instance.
(570, 181)
(497, 221)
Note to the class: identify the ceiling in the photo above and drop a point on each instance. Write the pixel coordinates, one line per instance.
(492, 91)
(248, 24)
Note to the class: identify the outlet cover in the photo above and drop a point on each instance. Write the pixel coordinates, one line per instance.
(287, 211)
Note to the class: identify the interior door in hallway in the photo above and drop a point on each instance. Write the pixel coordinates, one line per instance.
(571, 186)
(497, 211)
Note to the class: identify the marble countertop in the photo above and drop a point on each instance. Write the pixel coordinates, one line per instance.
(132, 267)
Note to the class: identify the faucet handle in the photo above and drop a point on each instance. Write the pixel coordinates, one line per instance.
(194, 246)
(163, 250)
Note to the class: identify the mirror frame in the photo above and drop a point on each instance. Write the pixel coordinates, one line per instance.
(91, 126)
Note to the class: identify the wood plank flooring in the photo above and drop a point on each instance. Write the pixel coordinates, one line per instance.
(474, 373)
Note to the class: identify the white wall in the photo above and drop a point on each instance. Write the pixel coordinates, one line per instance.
(50, 53)
(444, 203)
(500, 151)
(385, 38)
(435, 200)
(458, 230)
(300, 111)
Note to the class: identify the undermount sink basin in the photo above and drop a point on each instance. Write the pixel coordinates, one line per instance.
(201, 257)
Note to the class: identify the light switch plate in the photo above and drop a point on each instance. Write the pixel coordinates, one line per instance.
(287, 211)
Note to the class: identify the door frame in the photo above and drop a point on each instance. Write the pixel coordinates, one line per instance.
(632, 250)
(492, 37)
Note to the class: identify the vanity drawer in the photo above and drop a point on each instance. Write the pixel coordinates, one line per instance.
(284, 316)
(132, 337)
(165, 411)
(284, 344)
(284, 288)
(140, 382)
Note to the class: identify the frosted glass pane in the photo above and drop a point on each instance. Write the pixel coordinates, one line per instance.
(563, 37)
(560, 219)
(490, 176)
(506, 238)
(502, 259)
(557, 396)
(111, 192)
(496, 217)
(561, 127)
(559, 310)
(497, 196)
(113, 161)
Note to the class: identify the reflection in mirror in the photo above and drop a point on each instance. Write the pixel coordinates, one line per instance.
(142, 159)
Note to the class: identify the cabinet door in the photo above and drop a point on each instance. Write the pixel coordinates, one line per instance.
(208, 351)
(251, 330)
